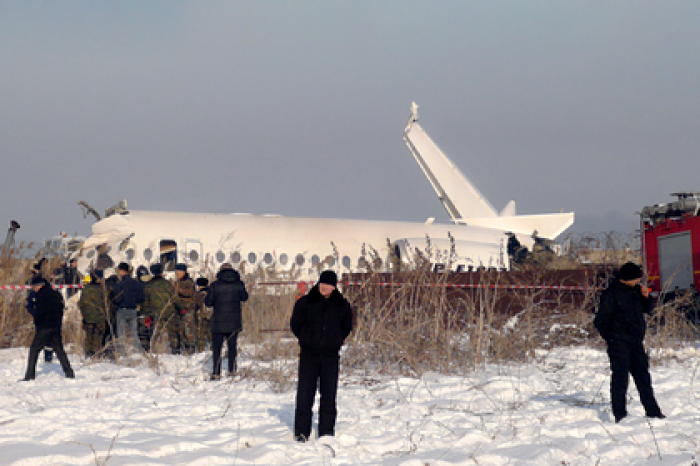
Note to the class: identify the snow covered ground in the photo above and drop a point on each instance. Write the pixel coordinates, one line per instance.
(551, 412)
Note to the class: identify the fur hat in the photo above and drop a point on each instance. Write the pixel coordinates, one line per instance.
(124, 266)
(181, 266)
(201, 281)
(630, 271)
(329, 278)
(156, 269)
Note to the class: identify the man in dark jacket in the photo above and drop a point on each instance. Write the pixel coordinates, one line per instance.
(225, 296)
(30, 303)
(620, 321)
(128, 296)
(48, 318)
(71, 276)
(321, 321)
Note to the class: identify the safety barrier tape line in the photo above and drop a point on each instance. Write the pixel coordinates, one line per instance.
(438, 285)
(29, 287)
(453, 285)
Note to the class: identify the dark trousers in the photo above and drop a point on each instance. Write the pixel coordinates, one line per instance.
(42, 338)
(316, 370)
(217, 344)
(625, 359)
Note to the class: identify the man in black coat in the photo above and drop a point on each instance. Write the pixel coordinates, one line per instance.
(48, 318)
(30, 303)
(620, 321)
(128, 296)
(225, 296)
(321, 321)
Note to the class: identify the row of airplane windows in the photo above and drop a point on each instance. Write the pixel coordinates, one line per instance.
(252, 258)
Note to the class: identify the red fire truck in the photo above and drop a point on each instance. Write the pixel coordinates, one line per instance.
(671, 243)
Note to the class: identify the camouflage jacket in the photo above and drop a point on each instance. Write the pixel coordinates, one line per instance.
(92, 303)
(160, 295)
(185, 294)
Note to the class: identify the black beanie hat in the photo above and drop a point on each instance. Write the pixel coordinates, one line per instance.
(38, 280)
(157, 269)
(630, 271)
(124, 266)
(329, 278)
(201, 281)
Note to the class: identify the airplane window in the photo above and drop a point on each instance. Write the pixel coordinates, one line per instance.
(268, 258)
(252, 258)
(315, 260)
(236, 257)
(346, 262)
(284, 258)
(220, 256)
(147, 254)
(300, 260)
(194, 255)
(91, 254)
(130, 254)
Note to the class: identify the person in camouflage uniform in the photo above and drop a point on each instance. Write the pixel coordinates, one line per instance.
(202, 314)
(184, 303)
(92, 306)
(158, 307)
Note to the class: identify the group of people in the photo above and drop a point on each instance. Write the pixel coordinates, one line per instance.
(144, 306)
(321, 321)
(129, 311)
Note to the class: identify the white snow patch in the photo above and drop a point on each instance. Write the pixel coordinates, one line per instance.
(551, 412)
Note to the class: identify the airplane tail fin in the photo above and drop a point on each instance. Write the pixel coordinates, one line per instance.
(459, 196)
(463, 201)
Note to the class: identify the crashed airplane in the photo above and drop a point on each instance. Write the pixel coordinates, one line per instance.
(302, 247)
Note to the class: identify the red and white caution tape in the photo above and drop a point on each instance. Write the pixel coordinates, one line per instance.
(449, 285)
(484, 285)
(392, 284)
(29, 287)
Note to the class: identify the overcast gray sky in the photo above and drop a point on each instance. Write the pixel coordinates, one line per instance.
(298, 108)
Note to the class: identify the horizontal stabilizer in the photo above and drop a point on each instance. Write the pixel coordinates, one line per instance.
(547, 225)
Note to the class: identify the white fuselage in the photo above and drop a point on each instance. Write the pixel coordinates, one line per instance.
(302, 246)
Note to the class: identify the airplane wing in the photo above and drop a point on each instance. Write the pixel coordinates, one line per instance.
(459, 196)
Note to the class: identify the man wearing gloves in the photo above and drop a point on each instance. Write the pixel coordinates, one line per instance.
(620, 321)
(321, 321)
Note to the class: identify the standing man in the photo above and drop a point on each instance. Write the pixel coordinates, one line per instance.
(321, 321)
(203, 314)
(128, 296)
(48, 318)
(184, 292)
(620, 321)
(30, 303)
(158, 307)
(93, 307)
(71, 276)
(225, 296)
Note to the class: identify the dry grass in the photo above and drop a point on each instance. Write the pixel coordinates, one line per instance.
(402, 330)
